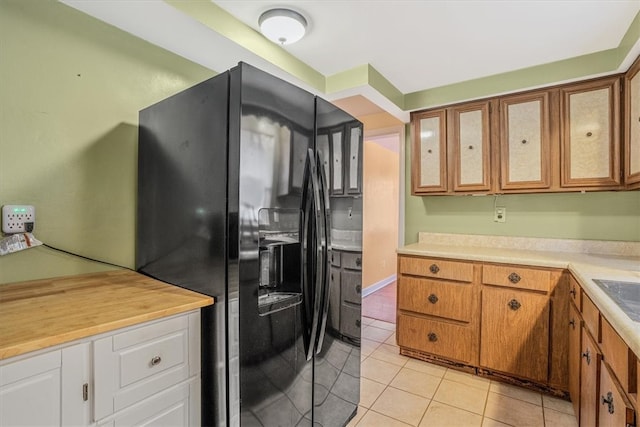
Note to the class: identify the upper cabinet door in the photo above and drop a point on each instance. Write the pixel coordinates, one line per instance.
(590, 150)
(429, 157)
(632, 126)
(337, 170)
(524, 141)
(354, 151)
(471, 153)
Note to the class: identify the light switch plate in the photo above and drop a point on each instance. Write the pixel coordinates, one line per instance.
(14, 217)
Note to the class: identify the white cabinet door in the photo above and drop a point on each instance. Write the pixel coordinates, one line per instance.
(30, 391)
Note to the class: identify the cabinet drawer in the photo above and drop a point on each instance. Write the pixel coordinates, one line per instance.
(351, 286)
(441, 338)
(438, 268)
(575, 292)
(619, 357)
(140, 362)
(615, 409)
(352, 260)
(335, 258)
(516, 277)
(591, 316)
(442, 299)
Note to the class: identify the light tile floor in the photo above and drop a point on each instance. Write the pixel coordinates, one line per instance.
(400, 391)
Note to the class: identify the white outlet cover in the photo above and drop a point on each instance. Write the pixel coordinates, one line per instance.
(14, 217)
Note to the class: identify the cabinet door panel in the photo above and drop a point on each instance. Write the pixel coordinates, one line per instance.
(590, 146)
(470, 137)
(575, 332)
(525, 141)
(355, 160)
(632, 125)
(515, 333)
(615, 410)
(337, 183)
(590, 380)
(429, 155)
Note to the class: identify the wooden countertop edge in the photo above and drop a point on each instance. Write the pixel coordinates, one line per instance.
(76, 334)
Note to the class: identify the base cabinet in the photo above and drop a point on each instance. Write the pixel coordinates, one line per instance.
(345, 296)
(602, 369)
(147, 374)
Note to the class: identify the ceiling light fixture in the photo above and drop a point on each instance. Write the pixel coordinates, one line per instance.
(283, 26)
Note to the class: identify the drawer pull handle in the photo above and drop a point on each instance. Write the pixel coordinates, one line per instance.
(156, 360)
(514, 277)
(433, 298)
(432, 337)
(434, 268)
(608, 401)
(514, 304)
(587, 355)
(358, 262)
(573, 292)
(85, 392)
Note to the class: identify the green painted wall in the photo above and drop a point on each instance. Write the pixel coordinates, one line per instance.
(595, 215)
(70, 91)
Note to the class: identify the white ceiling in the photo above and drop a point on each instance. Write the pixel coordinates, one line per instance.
(421, 44)
(415, 44)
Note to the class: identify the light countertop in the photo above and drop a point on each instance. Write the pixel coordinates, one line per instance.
(44, 313)
(584, 266)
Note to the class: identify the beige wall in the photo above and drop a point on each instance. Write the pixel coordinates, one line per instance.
(380, 217)
(70, 91)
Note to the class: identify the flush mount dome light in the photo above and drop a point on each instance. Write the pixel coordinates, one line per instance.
(283, 26)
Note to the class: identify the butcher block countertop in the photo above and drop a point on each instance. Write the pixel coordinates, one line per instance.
(43, 313)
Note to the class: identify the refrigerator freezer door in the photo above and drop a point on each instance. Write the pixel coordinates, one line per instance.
(268, 148)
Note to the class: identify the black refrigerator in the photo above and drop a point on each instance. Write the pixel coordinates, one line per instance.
(249, 189)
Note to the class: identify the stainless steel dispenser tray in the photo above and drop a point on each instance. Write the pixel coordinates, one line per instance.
(625, 294)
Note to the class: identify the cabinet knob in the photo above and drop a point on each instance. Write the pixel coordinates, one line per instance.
(434, 268)
(573, 292)
(572, 323)
(155, 360)
(432, 337)
(358, 288)
(514, 278)
(358, 323)
(429, 151)
(514, 304)
(433, 298)
(524, 141)
(358, 262)
(471, 147)
(587, 356)
(608, 401)
(589, 133)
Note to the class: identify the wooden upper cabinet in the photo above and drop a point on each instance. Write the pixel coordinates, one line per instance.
(470, 137)
(525, 143)
(632, 126)
(429, 157)
(590, 123)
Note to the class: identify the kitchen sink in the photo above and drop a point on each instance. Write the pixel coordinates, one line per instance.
(625, 294)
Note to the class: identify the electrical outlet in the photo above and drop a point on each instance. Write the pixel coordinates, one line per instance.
(14, 217)
(500, 214)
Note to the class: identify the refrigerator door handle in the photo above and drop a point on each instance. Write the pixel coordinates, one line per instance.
(326, 253)
(319, 248)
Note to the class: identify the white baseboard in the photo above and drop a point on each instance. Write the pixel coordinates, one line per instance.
(379, 285)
